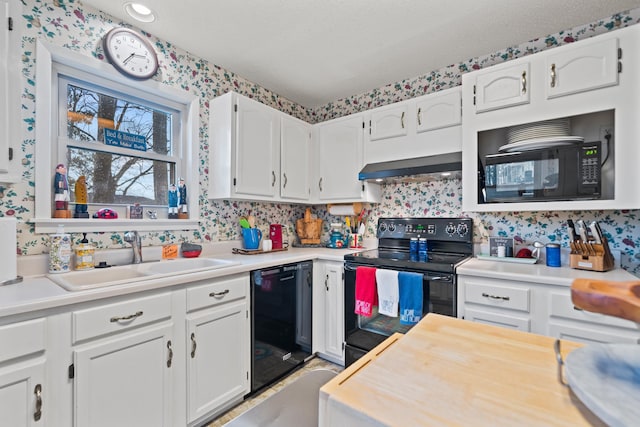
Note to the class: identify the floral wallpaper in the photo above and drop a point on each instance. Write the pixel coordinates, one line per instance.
(70, 24)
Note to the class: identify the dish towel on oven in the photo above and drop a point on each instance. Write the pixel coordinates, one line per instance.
(410, 285)
(365, 290)
(387, 281)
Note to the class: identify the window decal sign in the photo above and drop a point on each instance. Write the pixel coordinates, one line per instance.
(125, 140)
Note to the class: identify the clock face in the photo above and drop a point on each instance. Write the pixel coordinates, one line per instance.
(130, 53)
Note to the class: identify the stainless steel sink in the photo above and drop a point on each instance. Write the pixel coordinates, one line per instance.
(134, 273)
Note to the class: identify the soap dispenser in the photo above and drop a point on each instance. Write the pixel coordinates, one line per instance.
(60, 251)
(85, 254)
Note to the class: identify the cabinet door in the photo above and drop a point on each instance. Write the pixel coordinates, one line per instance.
(22, 394)
(501, 88)
(125, 380)
(334, 310)
(10, 131)
(295, 156)
(218, 359)
(340, 158)
(439, 110)
(389, 122)
(581, 68)
(257, 148)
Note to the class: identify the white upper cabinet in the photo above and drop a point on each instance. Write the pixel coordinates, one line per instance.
(295, 159)
(244, 149)
(591, 65)
(388, 122)
(588, 84)
(339, 145)
(499, 87)
(422, 126)
(439, 110)
(10, 135)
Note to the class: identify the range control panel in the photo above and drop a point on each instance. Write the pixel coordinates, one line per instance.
(444, 229)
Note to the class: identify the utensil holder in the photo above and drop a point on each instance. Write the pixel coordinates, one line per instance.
(591, 256)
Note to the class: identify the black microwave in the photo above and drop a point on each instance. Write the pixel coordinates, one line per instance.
(558, 172)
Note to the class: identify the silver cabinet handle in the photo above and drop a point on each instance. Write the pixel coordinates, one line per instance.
(128, 317)
(219, 294)
(273, 178)
(553, 75)
(170, 358)
(193, 345)
(402, 120)
(38, 392)
(284, 185)
(326, 282)
(420, 116)
(524, 82)
(495, 297)
(320, 184)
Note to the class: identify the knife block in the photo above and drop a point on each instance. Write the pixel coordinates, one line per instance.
(591, 256)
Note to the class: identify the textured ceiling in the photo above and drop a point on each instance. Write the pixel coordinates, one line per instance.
(316, 51)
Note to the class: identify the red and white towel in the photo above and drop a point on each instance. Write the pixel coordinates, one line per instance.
(366, 296)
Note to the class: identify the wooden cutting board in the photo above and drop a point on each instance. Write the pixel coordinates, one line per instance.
(452, 372)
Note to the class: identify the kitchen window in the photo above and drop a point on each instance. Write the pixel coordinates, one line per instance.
(130, 140)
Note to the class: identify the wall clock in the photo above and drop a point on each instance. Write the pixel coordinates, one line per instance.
(130, 53)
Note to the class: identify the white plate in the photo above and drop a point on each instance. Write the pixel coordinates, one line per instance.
(535, 143)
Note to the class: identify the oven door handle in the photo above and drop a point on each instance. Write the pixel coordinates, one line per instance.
(350, 267)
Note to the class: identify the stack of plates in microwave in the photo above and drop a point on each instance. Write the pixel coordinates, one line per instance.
(532, 136)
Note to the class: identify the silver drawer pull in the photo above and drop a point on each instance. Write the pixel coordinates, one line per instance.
(553, 75)
(38, 392)
(402, 120)
(219, 294)
(419, 116)
(495, 297)
(170, 357)
(129, 317)
(193, 345)
(524, 82)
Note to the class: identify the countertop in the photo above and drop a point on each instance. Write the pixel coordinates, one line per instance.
(538, 273)
(37, 292)
(453, 372)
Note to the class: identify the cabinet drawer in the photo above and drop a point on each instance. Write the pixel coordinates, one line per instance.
(21, 339)
(587, 335)
(562, 306)
(106, 319)
(511, 297)
(218, 292)
(498, 319)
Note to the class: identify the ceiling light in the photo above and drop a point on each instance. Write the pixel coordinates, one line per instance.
(139, 12)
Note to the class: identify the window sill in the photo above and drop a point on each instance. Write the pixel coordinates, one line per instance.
(94, 225)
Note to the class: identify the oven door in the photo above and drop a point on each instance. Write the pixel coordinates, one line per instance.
(364, 333)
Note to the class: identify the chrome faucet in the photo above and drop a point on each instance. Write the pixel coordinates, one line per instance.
(136, 244)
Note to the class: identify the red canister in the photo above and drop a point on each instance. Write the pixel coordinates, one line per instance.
(275, 234)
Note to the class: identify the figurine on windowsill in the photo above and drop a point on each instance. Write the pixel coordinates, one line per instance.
(182, 191)
(173, 202)
(81, 198)
(61, 192)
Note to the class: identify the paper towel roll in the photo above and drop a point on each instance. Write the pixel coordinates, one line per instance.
(342, 210)
(8, 249)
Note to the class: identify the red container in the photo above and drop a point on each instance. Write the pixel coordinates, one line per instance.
(275, 234)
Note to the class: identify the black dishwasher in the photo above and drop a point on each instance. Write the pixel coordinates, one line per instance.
(280, 321)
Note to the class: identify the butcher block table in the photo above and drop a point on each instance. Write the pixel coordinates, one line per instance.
(452, 372)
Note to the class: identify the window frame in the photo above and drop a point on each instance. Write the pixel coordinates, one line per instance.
(54, 62)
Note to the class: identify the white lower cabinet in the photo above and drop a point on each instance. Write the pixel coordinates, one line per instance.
(328, 311)
(125, 380)
(495, 302)
(23, 391)
(123, 363)
(218, 346)
(538, 307)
